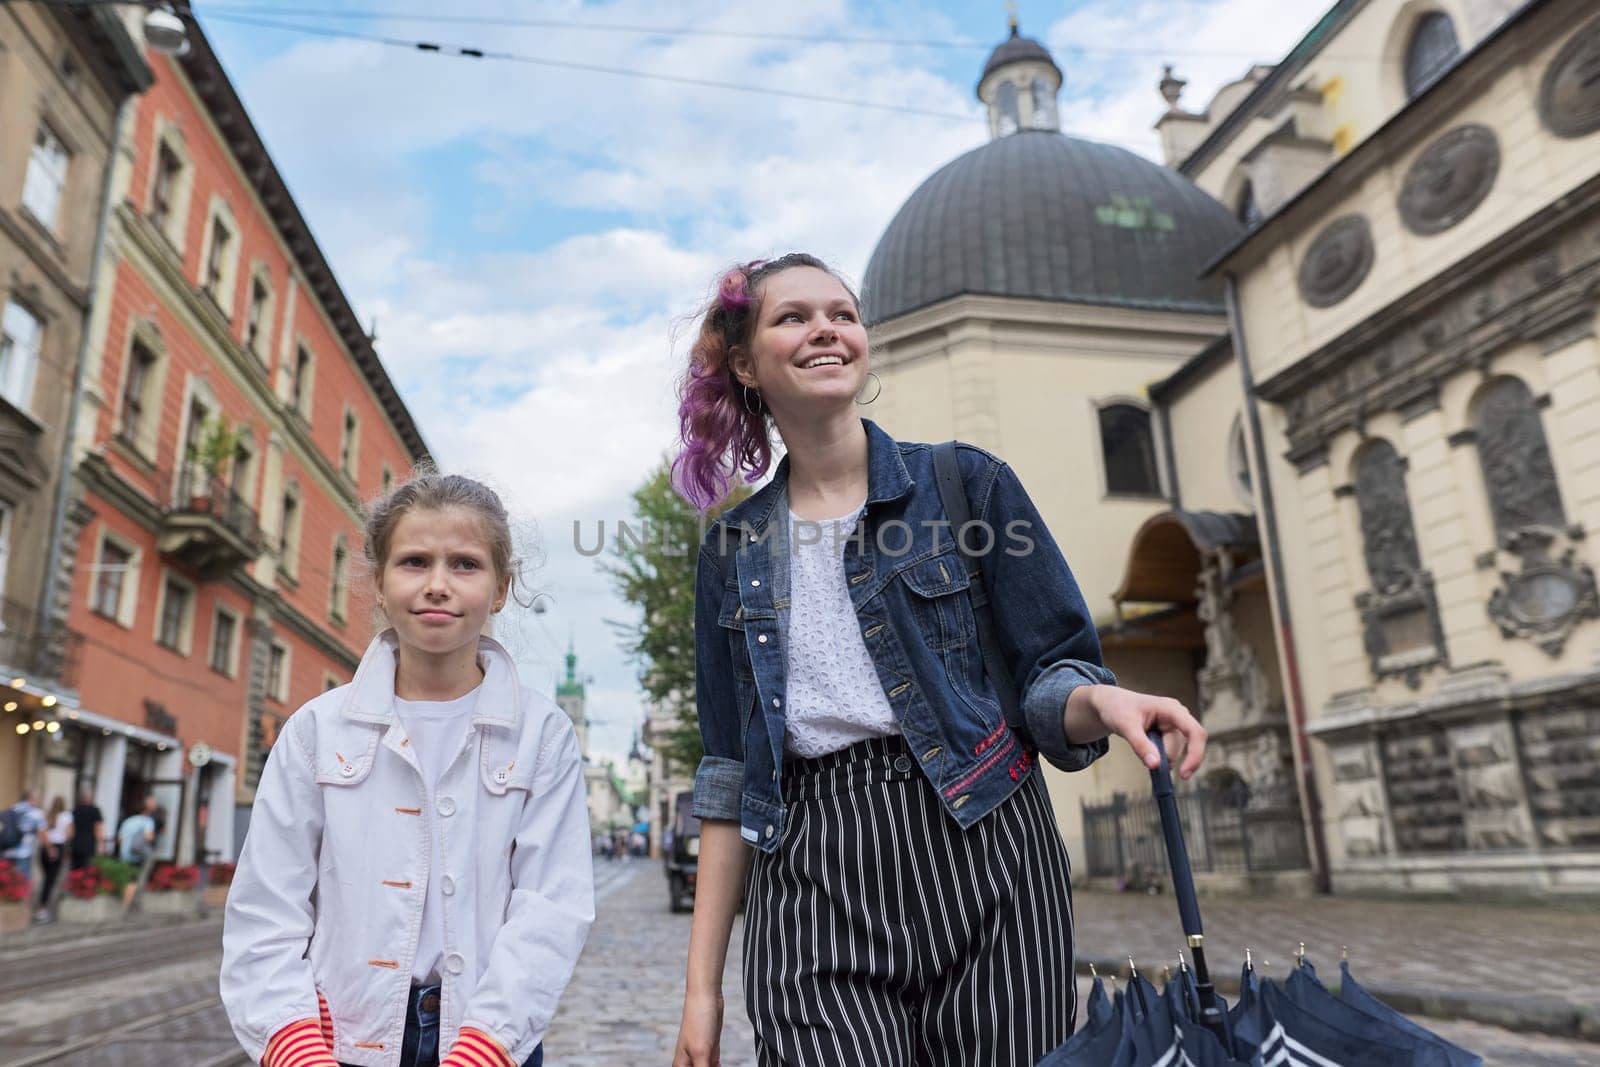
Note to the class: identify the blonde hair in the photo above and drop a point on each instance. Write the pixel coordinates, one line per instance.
(428, 490)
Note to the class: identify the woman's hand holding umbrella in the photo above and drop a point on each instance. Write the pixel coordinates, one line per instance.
(1095, 711)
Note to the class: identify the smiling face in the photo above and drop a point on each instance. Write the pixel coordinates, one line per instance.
(808, 349)
(438, 584)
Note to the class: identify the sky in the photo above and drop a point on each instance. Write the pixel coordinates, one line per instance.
(532, 241)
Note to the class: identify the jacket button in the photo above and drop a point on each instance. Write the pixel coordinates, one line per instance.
(454, 963)
(770, 830)
(348, 770)
(762, 638)
(756, 582)
(447, 806)
(776, 702)
(902, 764)
(447, 885)
(500, 777)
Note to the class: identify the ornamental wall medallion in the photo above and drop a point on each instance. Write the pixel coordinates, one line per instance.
(1569, 95)
(1450, 179)
(1547, 598)
(1337, 262)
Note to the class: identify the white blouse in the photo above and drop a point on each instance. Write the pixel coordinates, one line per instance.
(835, 698)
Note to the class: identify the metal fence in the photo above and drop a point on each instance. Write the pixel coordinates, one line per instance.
(40, 648)
(199, 495)
(1236, 830)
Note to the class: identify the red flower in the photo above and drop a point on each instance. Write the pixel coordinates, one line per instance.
(86, 883)
(14, 885)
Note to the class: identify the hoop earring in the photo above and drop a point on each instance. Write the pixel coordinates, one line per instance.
(873, 375)
(752, 410)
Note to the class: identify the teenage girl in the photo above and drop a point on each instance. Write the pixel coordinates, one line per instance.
(909, 899)
(416, 882)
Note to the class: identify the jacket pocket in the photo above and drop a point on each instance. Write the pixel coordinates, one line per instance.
(938, 588)
(347, 760)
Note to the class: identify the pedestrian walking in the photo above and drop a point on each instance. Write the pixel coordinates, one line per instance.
(19, 832)
(869, 761)
(416, 882)
(88, 831)
(52, 853)
(136, 844)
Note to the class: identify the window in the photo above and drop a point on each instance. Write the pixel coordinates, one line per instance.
(111, 570)
(1432, 49)
(240, 469)
(1249, 210)
(278, 673)
(388, 480)
(1128, 449)
(46, 179)
(217, 258)
(289, 533)
(5, 540)
(163, 194)
(193, 475)
(255, 321)
(348, 442)
(21, 335)
(175, 619)
(134, 385)
(1399, 615)
(1517, 470)
(338, 594)
(300, 382)
(224, 631)
(330, 681)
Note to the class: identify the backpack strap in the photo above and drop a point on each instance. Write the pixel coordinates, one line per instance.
(953, 493)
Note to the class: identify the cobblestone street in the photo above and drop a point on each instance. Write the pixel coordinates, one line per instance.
(623, 1005)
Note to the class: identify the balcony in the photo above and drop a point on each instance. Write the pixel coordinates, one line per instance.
(209, 527)
(35, 648)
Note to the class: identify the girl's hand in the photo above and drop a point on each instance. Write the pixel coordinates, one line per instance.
(700, 1033)
(1131, 715)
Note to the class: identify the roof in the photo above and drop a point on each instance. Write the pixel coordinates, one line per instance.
(212, 86)
(1040, 215)
(1166, 555)
(1014, 48)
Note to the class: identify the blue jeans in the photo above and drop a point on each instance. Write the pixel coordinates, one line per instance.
(420, 1046)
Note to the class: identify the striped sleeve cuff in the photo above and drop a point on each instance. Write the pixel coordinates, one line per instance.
(474, 1048)
(299, 1044)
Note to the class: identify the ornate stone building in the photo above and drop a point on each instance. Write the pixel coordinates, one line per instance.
(1327, 472)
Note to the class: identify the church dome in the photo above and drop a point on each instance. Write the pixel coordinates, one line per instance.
(1039, 215)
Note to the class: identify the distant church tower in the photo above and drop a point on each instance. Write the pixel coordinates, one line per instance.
(569, 694)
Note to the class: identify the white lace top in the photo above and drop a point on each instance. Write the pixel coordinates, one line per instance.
(834, 696)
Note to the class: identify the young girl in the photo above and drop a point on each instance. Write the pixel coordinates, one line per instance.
(416, 881)
(909, 901)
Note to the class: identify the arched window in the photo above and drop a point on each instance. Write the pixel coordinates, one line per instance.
(1517, 472)
(1044, 106)
(1399, 614)
(1388, 536)
(1431, 50)
(1249, 209)
(1010, 116)
(1128, 449)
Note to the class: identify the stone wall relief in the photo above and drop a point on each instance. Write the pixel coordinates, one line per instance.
(1494, 809)
(1424, 796)
(1358, 805)
(1546, 589)
(1401, 628)
(1560, 751)
(1569, 93)
(1246, 727)
(1449, 179)
(1338, 261)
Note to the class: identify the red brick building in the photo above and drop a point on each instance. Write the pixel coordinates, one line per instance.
(234, 418)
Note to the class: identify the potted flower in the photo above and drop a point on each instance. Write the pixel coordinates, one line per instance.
(15, 891)
(93, 895)
(170, 889)
(218, 878)
(211, 457)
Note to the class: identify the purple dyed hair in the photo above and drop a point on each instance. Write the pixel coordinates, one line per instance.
(722, 437)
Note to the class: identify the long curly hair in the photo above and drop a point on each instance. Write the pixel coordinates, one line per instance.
(723, 427)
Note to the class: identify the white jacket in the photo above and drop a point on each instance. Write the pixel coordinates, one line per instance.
(329, 890)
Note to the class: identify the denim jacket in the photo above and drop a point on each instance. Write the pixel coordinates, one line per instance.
(909, 587)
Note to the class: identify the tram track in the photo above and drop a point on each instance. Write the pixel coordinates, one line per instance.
(44, 966)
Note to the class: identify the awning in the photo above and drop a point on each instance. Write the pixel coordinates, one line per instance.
(1165, 559)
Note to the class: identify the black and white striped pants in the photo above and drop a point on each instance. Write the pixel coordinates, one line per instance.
(880, 934)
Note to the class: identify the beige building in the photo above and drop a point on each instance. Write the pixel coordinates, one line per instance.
(64, 75)
(1368, 444)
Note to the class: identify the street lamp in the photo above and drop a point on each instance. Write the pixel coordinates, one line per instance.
(164, 32)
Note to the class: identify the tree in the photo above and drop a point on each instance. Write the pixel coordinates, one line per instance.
(652, 567)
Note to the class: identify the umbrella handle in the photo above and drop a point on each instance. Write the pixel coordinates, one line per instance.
(1183, 884)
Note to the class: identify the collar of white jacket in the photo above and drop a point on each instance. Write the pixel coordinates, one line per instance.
(371, 694)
